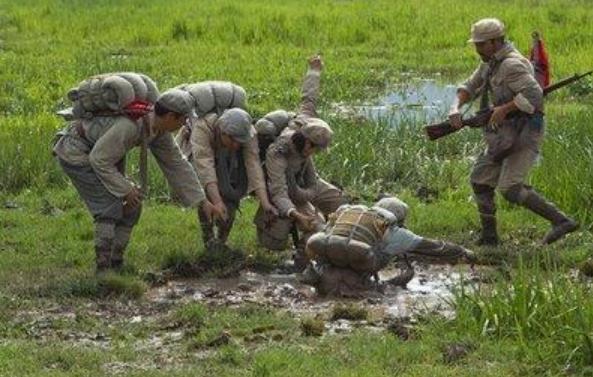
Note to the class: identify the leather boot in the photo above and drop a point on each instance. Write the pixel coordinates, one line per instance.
(122, 238)
(104, 239)
(561, 224)
(300, 261)
(489, 234)
(484, 196)
(102, 259)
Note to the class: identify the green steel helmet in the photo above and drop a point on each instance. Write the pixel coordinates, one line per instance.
(395, 206)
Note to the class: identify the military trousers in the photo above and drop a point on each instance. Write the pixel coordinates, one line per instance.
(513, 169)
(274, 233)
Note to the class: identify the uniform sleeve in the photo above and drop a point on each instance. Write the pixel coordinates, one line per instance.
(182, 139)
(255, 174)
(518, 76)
(203, 153)
(399, 240)
(310, 93)
(177, 170)
(310, 174)
(109, 150)
(310, 182)
(475, 81)
(276, 166)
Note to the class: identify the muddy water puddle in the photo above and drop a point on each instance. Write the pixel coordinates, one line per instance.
(148, 324)
(415, 100)
(429, 291)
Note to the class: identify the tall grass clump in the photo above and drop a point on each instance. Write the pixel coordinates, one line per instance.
(373, 157)
(565, 172)
(548, 313)
(261, 45)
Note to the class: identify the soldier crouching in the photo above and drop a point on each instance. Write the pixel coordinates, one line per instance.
(359, 241)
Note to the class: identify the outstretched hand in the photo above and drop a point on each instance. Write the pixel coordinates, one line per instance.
(316, 63)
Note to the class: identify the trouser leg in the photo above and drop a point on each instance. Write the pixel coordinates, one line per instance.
(207, 227)
(484, 196)
(104, 239)
(530, 199)
(224, 227)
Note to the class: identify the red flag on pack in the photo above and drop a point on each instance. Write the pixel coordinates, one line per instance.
(539, 59)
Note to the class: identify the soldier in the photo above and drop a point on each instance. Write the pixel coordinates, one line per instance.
(514, 133)
(92, 153)
(359, 241)
(295, 188)
(224, 152)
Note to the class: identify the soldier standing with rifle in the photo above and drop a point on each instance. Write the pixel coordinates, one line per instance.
(514, 132)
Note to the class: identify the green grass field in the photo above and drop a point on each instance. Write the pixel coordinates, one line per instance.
(539, 322)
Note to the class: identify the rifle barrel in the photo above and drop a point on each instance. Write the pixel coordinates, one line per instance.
(564, 82)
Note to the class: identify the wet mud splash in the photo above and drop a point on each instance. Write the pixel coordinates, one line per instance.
(429, 292)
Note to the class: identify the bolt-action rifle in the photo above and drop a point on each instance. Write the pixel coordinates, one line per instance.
(437, 130)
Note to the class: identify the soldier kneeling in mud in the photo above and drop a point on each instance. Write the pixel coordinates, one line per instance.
(358, 241)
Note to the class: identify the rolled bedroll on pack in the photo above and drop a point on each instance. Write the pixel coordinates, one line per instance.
(216, 96)
(273, 123)
(269, 127)
(342, 252)
(111, 93)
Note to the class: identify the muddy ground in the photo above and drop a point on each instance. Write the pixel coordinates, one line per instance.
(150, 328)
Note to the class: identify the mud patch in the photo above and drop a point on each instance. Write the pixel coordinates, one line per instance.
(429, 292)
(149, 326)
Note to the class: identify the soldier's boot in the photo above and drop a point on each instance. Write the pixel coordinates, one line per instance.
(122, 238)
(488, 234)
(300, 261)
(224, 228)
(102, 259)
(300, 258)
(484, 196)
(310, 275)
(561, 224)
(207, 227)
(104, 239)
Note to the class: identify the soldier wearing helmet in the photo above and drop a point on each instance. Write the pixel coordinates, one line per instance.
(358, 241)
(505, 80)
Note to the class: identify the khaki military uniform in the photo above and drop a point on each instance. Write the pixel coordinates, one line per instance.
(365, 239)
(92, 153)
(514, 146)
(359, 241)
(293, 183)
(235, 173)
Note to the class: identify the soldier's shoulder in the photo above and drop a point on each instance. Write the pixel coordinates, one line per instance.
(515, 62)
(206, 122)
(280, 146)
(120, 124)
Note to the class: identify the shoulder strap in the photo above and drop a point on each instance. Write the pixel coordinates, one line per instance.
(143, 164)
(484, 100)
